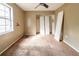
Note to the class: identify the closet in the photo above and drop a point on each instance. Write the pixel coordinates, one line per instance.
(45, 25)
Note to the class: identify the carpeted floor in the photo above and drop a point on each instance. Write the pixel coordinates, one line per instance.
(40, 46)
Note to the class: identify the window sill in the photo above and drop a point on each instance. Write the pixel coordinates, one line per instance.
(5, 33)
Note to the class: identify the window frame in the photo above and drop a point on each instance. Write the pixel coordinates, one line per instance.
(11, 19)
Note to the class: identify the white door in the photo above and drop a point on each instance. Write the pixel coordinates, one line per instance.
(47, 26)
(59, 25)
(42, 25)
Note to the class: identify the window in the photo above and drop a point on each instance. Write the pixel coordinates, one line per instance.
(6, 22)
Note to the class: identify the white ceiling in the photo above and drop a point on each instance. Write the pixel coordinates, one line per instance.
(31, 6)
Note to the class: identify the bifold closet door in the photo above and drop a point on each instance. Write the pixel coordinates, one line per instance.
(42, 26)
(47, 25)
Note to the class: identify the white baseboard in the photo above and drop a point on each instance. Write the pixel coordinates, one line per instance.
(71, 46)
(11, 44)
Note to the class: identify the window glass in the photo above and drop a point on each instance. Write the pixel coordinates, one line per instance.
(2, 22)
(6, 22)
(2, 29)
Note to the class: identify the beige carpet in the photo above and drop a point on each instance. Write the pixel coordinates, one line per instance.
(39, 46)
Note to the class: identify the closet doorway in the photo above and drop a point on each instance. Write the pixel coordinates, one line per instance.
(45, 25)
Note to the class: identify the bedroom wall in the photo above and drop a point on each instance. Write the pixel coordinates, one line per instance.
(71, 24)
(31, 17)
(9, 38)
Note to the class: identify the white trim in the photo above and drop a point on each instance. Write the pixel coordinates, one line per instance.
(11, 44)
(1, 34)
(71, 46)
(6, 5)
